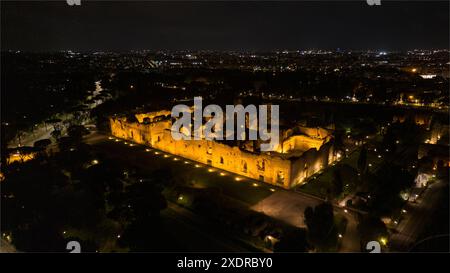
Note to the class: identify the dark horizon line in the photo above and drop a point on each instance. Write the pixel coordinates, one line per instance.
(226, 50)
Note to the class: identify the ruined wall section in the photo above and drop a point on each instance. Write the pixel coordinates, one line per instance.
(273, 168)
(311, 162)
(263, 167)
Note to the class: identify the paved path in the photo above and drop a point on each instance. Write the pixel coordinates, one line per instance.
(417, 217)
(289, 207)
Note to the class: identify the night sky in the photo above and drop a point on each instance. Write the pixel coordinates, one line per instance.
(121, 26)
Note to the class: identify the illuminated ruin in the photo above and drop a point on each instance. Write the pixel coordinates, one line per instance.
(302, 151)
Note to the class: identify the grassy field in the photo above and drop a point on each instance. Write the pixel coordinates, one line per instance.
(245, 190)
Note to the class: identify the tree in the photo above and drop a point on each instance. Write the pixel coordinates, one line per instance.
(371, 229)
(387, 184)
(56, 124)
(30, 216)
(338, 142)
(43, 143)
(322, 232)
(337, 185)
(389, 141)
(292, 241)
(362, 160)
(145, 235)
(76, 132)
(56, 134)
(145, 200)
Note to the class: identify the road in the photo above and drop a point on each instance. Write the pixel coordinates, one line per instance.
(43, 131)
(416, 217)
(28, 139)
